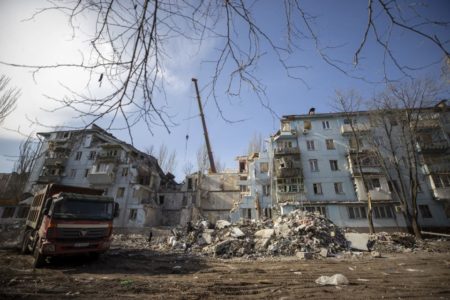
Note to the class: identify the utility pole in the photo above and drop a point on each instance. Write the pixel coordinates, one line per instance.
(212, 166)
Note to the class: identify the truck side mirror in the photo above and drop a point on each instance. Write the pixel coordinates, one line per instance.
(116, 209)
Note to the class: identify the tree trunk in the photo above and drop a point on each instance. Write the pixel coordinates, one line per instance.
(369, 214)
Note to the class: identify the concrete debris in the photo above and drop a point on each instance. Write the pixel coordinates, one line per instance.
(221, 224)
(304, 255)
(394, 242)
(375, 254)
(336, 279)
(296, 232)
(358, 241)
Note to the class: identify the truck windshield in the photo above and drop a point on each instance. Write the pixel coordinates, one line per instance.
(79, 209)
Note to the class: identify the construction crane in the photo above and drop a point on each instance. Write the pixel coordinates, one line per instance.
(212, 166)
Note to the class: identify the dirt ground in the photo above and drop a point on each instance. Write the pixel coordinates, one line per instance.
(145, 273)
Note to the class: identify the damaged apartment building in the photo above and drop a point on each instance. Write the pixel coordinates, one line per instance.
(209, 196)
(95, 158)
(319, 166)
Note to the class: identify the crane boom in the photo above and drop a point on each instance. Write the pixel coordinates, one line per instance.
(212, 166)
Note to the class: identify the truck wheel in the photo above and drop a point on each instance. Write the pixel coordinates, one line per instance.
(25, 242)
(39, 258)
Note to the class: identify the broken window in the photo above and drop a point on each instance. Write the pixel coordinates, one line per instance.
(189, 186)
(425, 211)
(266, 190)
(8, 212)
(86, 172)
(319, 209)
(92, 155)
(125, 172)
(317, 188)
(314, 165)
(264, 167)
(285, 126)
(310, 145)
(330, 144)
(243, 188)
(326, 125)
(161, 199)
(357, 212)
(78, 155)
(334, 165)
(73, 173)
(307, 124)
(23, 212)
(242, 166)
(373, 183)
(133, 214)
(268, 212)
(120, 192)
(338, 188)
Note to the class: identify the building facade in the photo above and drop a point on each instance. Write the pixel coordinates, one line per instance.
(94, 158)
(327, 163)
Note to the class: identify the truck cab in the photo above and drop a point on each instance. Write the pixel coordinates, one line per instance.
(68, 221)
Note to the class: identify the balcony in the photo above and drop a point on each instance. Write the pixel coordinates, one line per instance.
(104, 158)
(443, 167)
(360, 127)
(354, 170)
(376, 194)
(433, 147)
(54, 162)
(49, 179)
(427, 124)
(290, 197)
(286, 151)
(101, 177)
(442, 193)
(287, 172)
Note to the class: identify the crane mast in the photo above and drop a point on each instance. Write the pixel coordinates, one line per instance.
(212, 166)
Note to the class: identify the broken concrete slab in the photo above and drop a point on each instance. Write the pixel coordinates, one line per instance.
(304, 255)
(336, 279)
(358, 241)
(236, 232)
(264, 233)
(323, 252)
(221, 224)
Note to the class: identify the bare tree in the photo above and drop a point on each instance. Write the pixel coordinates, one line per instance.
(349, 103)
(130, 49)
(166, 160)
(23, 166)
(8, 98)
(202, 159)
(256, 144)
(188, 168)
(397, 117)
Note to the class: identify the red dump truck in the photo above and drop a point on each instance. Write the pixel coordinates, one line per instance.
(68, 220)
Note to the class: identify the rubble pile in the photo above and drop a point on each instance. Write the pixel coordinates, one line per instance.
(293, 234)
(11, 234)
(129, 241)
(395, 242)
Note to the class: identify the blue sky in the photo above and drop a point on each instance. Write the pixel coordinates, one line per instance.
(47, 40)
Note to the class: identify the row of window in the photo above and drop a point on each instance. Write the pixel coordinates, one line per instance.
(314, 165)
(91, 156)
(8, 212)
(338, 188)
(383, 212)
(311, 146)
(99, 169)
